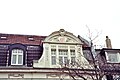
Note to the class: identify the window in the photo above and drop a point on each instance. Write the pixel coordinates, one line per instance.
(30, 38)
(112, 57)
(53, 56)
(3, 37)
(72, 53)
(17, 57)
(63, 56)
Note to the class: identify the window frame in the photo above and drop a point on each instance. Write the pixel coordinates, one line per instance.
(72, 55)
(53, 56)
(117, 57)
(18, 53)
(63, 54)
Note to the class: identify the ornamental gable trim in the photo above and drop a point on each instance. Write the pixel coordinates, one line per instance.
(62, 36)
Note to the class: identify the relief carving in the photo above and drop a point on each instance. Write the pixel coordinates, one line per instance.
(15, 75)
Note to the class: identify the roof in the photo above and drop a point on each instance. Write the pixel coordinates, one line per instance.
(102, 52)
(84, 41)
(24, 39)
(87, 53)
(29, 39)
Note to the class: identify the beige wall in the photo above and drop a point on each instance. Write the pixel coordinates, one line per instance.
(30, 76)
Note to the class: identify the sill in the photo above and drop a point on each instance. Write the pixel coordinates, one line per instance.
(113, 62)
(17, 66)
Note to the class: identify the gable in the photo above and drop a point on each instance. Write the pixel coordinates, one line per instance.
(62, 36)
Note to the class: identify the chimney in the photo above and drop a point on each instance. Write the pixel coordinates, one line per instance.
(108, 42)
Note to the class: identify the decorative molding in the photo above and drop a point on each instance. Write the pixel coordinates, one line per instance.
(62, 36)
(15, 75)
(53, 75)
(79, 50)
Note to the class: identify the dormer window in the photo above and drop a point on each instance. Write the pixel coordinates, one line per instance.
(17, 57)
(112, 57)
(30, 38)
(3, 37)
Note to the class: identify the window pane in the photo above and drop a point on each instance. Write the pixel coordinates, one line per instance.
(72, 59)
(53, 60)
(72, 52)
(20, 59)
(63, 52)
(66, 60)
(18, 51)
(14, 51)
(112, 57)
(60, 60)
(14, 57)
(53, 52)
(60, 52)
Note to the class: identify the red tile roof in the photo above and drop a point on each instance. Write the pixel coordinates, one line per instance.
(24, 39)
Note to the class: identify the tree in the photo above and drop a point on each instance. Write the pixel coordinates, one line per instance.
(96, 71)
(76, 69)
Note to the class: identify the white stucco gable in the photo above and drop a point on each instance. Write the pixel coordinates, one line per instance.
(62, 36)
(59, 46)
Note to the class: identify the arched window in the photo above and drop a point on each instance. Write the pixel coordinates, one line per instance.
(17, 57)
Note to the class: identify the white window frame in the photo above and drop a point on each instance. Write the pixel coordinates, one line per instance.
(17, 53)
(63, 55)
(53, 54)
(72, 54)
(62, 58)
(107, 57)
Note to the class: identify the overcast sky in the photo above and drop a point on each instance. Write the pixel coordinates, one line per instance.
(42, 17)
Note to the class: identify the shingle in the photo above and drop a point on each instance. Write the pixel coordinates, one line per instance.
(23, 39)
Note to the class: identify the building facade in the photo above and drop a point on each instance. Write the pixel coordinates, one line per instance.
(17, 53)
(29, 57)
(58, 56)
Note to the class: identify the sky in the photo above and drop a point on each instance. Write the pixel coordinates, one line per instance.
(42, 17)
